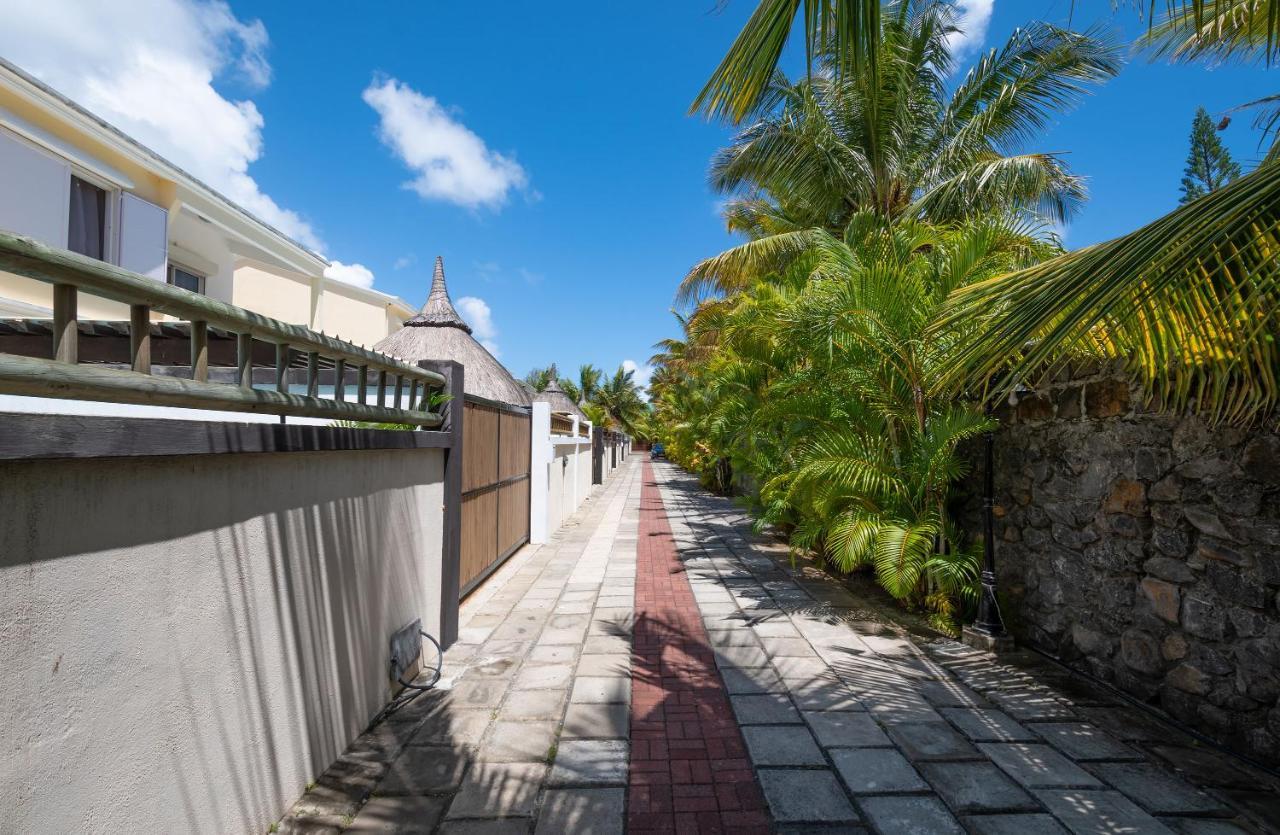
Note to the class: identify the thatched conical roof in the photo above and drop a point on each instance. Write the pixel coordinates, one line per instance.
(560, 402)
(439, 333)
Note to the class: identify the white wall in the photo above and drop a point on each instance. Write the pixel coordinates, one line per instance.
(202, 247)
(559, 490)
(186, 641)
(561, 474)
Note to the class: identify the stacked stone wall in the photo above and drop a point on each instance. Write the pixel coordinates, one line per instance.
(1143, 548)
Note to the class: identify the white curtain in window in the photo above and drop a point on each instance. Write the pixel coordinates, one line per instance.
(85, 232)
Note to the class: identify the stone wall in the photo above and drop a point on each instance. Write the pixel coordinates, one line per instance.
(1142, 548)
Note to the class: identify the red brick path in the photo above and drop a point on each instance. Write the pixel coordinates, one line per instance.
(689, 766)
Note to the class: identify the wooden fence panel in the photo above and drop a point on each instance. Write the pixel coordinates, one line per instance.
(480, 442)
(561, 425)
(513, 459)
(513, 515)
(495, 487)
(479, 535)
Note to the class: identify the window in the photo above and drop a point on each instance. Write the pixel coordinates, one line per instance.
(87, 231)
(187, 280)
(143, 242)
(33, 191)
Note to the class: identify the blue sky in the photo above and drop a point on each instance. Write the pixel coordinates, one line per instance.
(567, 192)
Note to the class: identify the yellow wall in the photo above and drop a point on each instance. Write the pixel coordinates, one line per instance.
(358, 320)
(146, 185)
(39, 293)
(395, 319)
(280, 294)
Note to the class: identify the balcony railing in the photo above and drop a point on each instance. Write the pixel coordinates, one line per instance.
(376, 376)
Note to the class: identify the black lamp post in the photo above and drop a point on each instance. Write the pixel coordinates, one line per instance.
(988, 632)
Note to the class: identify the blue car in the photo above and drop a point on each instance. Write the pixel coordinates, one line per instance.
(657, 451)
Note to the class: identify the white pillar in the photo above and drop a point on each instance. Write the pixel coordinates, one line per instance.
(539, 470)
(575, 462)
(586, 475)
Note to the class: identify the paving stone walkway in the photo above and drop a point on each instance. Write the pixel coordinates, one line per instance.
(689, 765)
(657, 667)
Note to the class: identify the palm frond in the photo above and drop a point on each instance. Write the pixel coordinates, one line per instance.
(1215, 30)
(849, 27)
(901, 552)
(1193, 299)
(851, 540)
(956, 573)
(1040, 182)
(737, 268)
(1010, 96)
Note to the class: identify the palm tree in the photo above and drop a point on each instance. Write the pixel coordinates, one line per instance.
(588, 383)
(539, 378)
(620, 397)
(848, 31)
(1192, 300)
(1219, 31)
(830, 389)
(598, 415)
(894, 141)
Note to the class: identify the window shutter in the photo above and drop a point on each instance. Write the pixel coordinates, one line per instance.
(34, 192)
(144, 237)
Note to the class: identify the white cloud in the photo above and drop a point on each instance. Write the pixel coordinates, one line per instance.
(476, 313)
(487, 271)
(972, 20)
(643, 373)
(149, 69)
(1060, 230)
(357, 274)
(404, 261)
(450, 162)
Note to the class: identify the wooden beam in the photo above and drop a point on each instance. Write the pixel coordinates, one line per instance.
(30, 258)
(200, 351)
(37, 377)
(451, 559)
(244, 359)
(313, 375)
(66, 333)
(140, 338)
(282, 367)
(26, 437)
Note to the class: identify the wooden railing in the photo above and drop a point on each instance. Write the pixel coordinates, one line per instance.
(372, 373)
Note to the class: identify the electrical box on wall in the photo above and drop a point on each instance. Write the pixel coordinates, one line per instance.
(406, 652)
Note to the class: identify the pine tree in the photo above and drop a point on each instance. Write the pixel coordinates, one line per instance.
(1209, 163)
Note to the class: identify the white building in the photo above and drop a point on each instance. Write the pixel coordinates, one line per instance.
(70, 180)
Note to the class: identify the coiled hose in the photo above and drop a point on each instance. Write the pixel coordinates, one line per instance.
(411, 690)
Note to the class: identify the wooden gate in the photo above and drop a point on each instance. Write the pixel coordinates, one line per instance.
(495, 487)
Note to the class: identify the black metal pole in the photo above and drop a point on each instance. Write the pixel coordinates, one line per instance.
(989, 621)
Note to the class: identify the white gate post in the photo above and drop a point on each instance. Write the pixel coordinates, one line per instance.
(591, 429)
(575, 462)
(539, 470)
